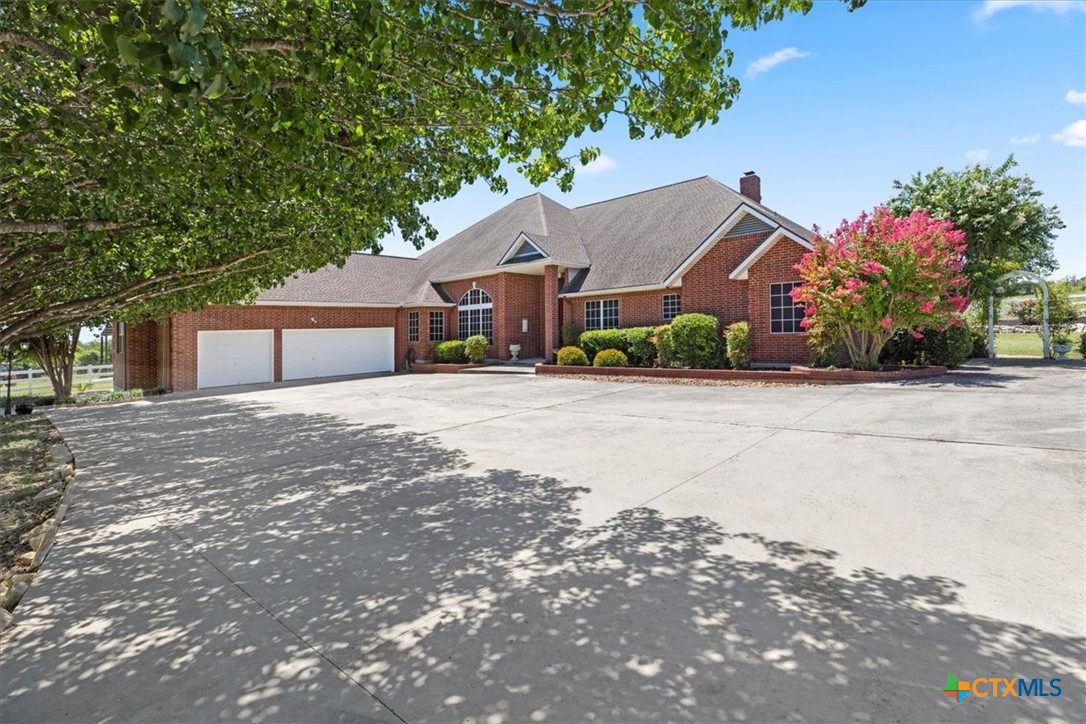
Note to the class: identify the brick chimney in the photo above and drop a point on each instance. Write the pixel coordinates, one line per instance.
(750, 185)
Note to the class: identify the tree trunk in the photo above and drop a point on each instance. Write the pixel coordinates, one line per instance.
(56, 355)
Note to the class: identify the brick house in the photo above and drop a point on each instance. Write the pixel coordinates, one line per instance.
(515, 276)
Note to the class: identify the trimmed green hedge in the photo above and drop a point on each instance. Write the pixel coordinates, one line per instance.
(695, 341)
(570, 355)
(634, 342)
(950, 347)
(610, 358)
(595, 341)
(738, 338)
(451, 351)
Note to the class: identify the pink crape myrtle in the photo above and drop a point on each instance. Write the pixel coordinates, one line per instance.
(880, 273)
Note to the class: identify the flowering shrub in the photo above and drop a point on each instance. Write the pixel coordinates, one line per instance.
(878, 274)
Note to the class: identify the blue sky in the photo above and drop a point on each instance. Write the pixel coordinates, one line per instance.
(835, 106)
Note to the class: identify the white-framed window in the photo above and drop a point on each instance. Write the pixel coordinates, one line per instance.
(412, 326)
(784, 314)
(601, 314)
(119, 339)
(672, 306)
(475, 315)
(437, 326)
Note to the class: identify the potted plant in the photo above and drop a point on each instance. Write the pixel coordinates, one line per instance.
(1061, 342)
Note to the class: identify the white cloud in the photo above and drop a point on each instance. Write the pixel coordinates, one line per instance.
(602, 164)
(1076, 97)
(768, 62)
(988, 8)
(1025, 140)
(978, 155)
(1072, 135)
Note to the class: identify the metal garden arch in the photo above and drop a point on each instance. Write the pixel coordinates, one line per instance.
(1029, 277)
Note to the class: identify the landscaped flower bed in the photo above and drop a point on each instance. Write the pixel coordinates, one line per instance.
(443, 366)
(795, 375)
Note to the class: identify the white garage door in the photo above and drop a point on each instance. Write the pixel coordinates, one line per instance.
(234, 357)
(329, 352)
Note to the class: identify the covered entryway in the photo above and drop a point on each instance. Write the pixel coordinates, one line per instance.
(234, 357)
(330, 352)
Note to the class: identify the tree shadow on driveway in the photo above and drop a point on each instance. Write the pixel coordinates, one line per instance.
(226, 561)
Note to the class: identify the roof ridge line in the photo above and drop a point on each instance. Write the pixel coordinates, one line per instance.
(542, 213)
(645, 191)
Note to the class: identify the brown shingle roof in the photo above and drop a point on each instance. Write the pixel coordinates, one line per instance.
(631, 241)
(363, 279)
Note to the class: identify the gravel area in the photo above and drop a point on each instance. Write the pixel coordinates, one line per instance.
(679, 381)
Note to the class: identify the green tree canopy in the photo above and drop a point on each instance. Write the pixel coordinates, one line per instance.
(158, 155)
(1006, 226)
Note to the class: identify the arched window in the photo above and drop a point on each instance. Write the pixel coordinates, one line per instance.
(476, 315)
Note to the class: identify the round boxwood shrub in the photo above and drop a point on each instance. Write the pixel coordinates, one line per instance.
(451, 351)
(595, 341)
(610, 358)
(475, 348)
(570, 355)
(738, 338)
(695, 342)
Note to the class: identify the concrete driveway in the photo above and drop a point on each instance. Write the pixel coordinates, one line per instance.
(512, 548)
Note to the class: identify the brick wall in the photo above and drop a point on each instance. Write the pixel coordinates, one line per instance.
(635, 309)
(515, 297)
(185, 327)
(424, 346)
(774, 266)
(135, 357)
(706, 287)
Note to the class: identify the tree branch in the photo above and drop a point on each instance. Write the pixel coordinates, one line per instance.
(25, 41)
(58, 226)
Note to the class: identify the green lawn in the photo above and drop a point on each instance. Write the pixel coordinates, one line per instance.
(42, 388)
(1024, 345)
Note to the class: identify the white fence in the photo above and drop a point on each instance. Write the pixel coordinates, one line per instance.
(30, 383)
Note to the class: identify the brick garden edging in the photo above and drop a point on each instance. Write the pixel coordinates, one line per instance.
(796, 374)
(443, 367)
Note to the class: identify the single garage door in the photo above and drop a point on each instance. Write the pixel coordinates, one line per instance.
(234, 357)
(329, 352)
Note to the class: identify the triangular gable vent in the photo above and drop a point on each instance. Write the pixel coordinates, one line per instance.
(527, 251)
(749, 225)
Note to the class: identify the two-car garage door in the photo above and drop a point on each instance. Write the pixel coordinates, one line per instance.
(238, 357)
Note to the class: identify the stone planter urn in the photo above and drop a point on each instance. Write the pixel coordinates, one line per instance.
(514, 350)
(1061, 350)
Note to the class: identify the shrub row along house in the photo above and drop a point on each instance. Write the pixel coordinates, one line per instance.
(515, 277)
